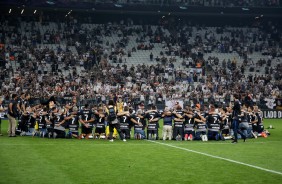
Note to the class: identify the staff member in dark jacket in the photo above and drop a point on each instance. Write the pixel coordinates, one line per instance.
(12, 114)
(235, 116)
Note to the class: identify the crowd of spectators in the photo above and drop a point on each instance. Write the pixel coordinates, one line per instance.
(99, 70)
(221, 3)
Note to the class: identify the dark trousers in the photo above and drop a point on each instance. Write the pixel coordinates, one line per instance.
(111, 129)
(236, 130)
(178, 131)
(126, 133)
(23, 124)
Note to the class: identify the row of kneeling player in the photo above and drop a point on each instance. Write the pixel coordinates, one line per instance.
(178, 123)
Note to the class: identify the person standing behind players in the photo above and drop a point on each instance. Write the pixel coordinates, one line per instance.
(113, 121)
(86, 119)
(12, 115)
(153, 117)
(236, 111)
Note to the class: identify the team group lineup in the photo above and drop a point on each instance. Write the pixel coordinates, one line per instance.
(115, 120)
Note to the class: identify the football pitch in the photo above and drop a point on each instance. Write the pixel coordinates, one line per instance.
(35, 160)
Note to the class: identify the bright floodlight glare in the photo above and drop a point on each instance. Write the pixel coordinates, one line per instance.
(118, 5)
(245, 9)
(51, 2)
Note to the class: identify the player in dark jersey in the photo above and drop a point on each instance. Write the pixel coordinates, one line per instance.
(250, 119)
(41, 119)
(226, 124)
(200, 124)
(71, 121)
(153, 117)
(139, 127)
(31, 121)
(24, 104)
(213, 120)
(50, 121)
(258, 126)
(59, 124)
(178, 128)
(100, 118)
(86, 118)
(126, 120)
(189, 130)
(236, 112)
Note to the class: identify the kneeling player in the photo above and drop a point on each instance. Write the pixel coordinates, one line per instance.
(153, 117)
(124, 119)
(100, 124)
(42, 122)
(31, 123)
(59, 125)
(178, 128)
(139, 126)
(73, 124)
(86, 119)
(189, 131)
(213, 122)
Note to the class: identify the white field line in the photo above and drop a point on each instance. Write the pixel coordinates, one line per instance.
(217, 157)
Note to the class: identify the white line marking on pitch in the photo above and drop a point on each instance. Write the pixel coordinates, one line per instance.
(221, 158)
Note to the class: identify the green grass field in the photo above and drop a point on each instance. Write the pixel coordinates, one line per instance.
(35, 160)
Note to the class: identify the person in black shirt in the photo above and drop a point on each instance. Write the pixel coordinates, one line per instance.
(72, 122)
(12, 115)
(178, 128)
(139, 128)
(86, 119)
(59, 124)
(235, 116)
(23, 127)
(200, 124)
(31, 121)
(153, 117)
(41, 119)
(189, 126)
(100, 130)
(214, 120)
(124, 120)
